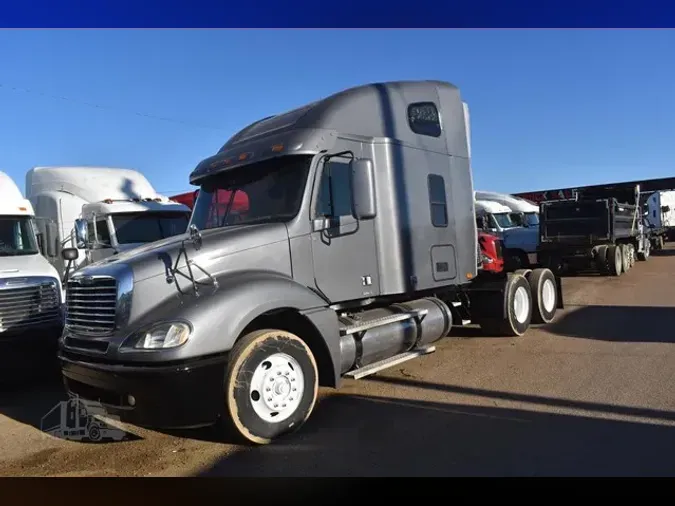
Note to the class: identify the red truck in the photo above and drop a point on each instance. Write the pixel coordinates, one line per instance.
(545, 286)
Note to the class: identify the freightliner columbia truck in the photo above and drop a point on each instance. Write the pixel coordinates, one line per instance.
(358, 251)
(101, 211)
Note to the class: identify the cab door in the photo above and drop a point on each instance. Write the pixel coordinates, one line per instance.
(344, 252)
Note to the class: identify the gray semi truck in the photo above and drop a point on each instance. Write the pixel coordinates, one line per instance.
(357, 250)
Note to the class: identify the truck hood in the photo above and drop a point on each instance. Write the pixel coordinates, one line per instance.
(525, 238)
(28, 265)
(154, 259)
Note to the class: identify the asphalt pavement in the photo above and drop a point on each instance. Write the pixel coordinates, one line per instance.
(588, 395)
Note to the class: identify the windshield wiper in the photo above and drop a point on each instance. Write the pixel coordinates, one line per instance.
(196, 239)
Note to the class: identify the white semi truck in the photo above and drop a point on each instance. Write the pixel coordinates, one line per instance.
(493, 217)
(524, 212)
(516, 221)
(660, 215)
(101, 211)
(31, 297)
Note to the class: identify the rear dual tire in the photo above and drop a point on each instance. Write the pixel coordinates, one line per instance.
(626, 257)
(614, 260)
(644, 255)
(518, 300)
(544, 294)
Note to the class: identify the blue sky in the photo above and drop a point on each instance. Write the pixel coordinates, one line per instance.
(549, 108)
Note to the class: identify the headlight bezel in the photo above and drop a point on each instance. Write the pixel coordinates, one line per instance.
(133, 342)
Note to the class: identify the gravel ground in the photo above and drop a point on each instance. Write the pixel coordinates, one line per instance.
(590, 394)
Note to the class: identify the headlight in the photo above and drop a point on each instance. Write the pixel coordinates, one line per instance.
(164, 335)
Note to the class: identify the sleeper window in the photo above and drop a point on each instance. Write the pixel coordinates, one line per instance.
(424, 119)
(437, 201)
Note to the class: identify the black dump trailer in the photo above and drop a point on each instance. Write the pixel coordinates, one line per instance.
(602, 229)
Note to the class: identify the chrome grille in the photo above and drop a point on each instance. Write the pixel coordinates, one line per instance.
(499, 248)
(91, 305)
(26, 306)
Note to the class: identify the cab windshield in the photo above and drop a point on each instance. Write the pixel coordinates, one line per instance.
(532, 219)
(17, 236)
(265, 192)
(504, 220)
(134, 228)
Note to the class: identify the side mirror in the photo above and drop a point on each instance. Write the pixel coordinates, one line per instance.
(81, 233)
(41, 243)
(363, 189)
(51, 237)
(70, 254)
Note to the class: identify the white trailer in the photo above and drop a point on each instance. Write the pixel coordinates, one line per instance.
(31, 294)
(101, 211)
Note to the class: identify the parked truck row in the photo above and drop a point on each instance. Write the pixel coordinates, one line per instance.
(92, 211)
(604, 229)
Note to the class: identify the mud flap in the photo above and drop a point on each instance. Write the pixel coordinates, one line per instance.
(559, 290)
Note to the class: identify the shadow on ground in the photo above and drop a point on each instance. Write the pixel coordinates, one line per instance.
(365, 436)
(663, 252)
(617, 323)
(38, 404)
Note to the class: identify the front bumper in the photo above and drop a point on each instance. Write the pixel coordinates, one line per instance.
(180, 395)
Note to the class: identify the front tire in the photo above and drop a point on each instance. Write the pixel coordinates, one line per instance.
(271, 385)
(94, 433)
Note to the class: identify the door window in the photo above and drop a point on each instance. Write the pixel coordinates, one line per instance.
(102, 235)
(335, 195)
